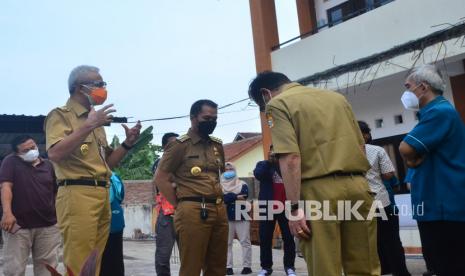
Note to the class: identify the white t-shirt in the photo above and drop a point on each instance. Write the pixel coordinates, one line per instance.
(380, 164)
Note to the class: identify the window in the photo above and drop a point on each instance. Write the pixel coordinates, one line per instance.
(379, 123)
(345, 11)
(352, 8)
(379, 3)
(335, 17)
(398, 119)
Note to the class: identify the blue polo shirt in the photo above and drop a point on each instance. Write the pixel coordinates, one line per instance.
(439, 181)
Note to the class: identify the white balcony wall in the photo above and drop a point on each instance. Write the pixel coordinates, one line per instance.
(376, 31)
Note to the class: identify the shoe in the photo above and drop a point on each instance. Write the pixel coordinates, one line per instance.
(229, 271)
(265, 272)
(246, 270)
(290, 272)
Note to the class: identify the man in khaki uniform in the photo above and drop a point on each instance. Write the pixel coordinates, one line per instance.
(77, 146)
(194, 162)
(319, 145)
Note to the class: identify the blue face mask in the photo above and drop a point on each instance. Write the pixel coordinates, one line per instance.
(229, 174)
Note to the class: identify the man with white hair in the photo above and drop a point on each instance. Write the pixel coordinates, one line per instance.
(435, 148)
(77, 146)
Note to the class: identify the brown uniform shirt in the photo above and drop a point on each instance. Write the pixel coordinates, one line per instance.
(87, 161)
(188, 153)
(320, 126)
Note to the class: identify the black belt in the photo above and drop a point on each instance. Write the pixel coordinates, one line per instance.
(83, 182)
(201, 199)
(339, 174)
(347, 174)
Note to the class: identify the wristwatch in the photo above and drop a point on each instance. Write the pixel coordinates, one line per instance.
(294, 206)
(125, 146)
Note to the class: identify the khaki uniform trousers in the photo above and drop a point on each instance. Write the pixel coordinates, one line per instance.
(83, 214)
(43, 242)
(203, 244)
(348, 245)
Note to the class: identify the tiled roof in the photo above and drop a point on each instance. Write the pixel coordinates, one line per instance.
(245, 135)
(14, 125)
(235, 150)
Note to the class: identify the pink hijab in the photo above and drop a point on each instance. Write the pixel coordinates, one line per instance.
(233, 185)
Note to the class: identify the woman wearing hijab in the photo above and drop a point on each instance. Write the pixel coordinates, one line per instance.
(234, 190)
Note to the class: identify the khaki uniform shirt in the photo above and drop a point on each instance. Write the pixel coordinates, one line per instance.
(320, 126)
(185, 156)
(87, 161)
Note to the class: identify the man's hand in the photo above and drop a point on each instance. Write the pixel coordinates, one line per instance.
(101, 117)
(8, 221)
(240, 197)
(298, 225)
(410, 155)
(132, 134)
(414, 162)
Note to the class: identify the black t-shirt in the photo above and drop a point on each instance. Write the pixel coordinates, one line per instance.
(34, 191)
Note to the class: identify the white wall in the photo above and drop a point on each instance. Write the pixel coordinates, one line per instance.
(370, 33)
(137, 217)
(383, 101)
(246, 163)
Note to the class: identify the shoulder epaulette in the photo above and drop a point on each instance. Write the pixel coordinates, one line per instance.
(183, 138)
(63, 108)
(214, 139)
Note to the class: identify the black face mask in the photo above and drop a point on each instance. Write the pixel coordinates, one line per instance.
(207, 127)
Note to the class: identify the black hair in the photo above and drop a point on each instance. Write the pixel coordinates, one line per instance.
(269, 80)
(166, 137)
(18, 140)
(364, 127)
(196, 107)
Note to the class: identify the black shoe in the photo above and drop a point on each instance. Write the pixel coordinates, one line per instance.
(229, 271)
(246, 270)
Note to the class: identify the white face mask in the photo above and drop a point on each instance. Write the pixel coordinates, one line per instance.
(30, 156)
(410, 101)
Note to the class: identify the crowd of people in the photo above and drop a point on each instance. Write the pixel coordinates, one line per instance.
(320, 154)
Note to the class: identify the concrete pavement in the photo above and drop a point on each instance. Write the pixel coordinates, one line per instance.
(139, 260)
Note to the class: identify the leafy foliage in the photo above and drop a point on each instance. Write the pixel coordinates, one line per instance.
(137, 165)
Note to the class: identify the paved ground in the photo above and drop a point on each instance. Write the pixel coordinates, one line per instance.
(139, 260)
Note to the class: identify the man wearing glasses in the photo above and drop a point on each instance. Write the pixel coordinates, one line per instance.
(77, 146)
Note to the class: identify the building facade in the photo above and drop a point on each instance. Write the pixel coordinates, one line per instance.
(364, 49)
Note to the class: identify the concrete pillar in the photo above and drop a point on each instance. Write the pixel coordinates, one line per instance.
(265, 36)
(307, 16)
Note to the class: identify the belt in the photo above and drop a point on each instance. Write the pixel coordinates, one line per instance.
(347, 174)
(201, 199)
(83, 182)
(336, 174)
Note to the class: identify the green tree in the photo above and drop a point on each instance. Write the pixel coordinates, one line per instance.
(137, 165)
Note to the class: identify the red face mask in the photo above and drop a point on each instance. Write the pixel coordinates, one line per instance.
(97, 96)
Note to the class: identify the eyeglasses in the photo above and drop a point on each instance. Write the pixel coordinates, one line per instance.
(98, 84)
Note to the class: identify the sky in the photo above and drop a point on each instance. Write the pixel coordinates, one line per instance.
(157, 56)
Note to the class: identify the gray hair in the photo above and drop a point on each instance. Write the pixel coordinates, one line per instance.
(79, 74)
(430, 75)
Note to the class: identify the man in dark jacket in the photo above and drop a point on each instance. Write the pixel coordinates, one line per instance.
(272, 188)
